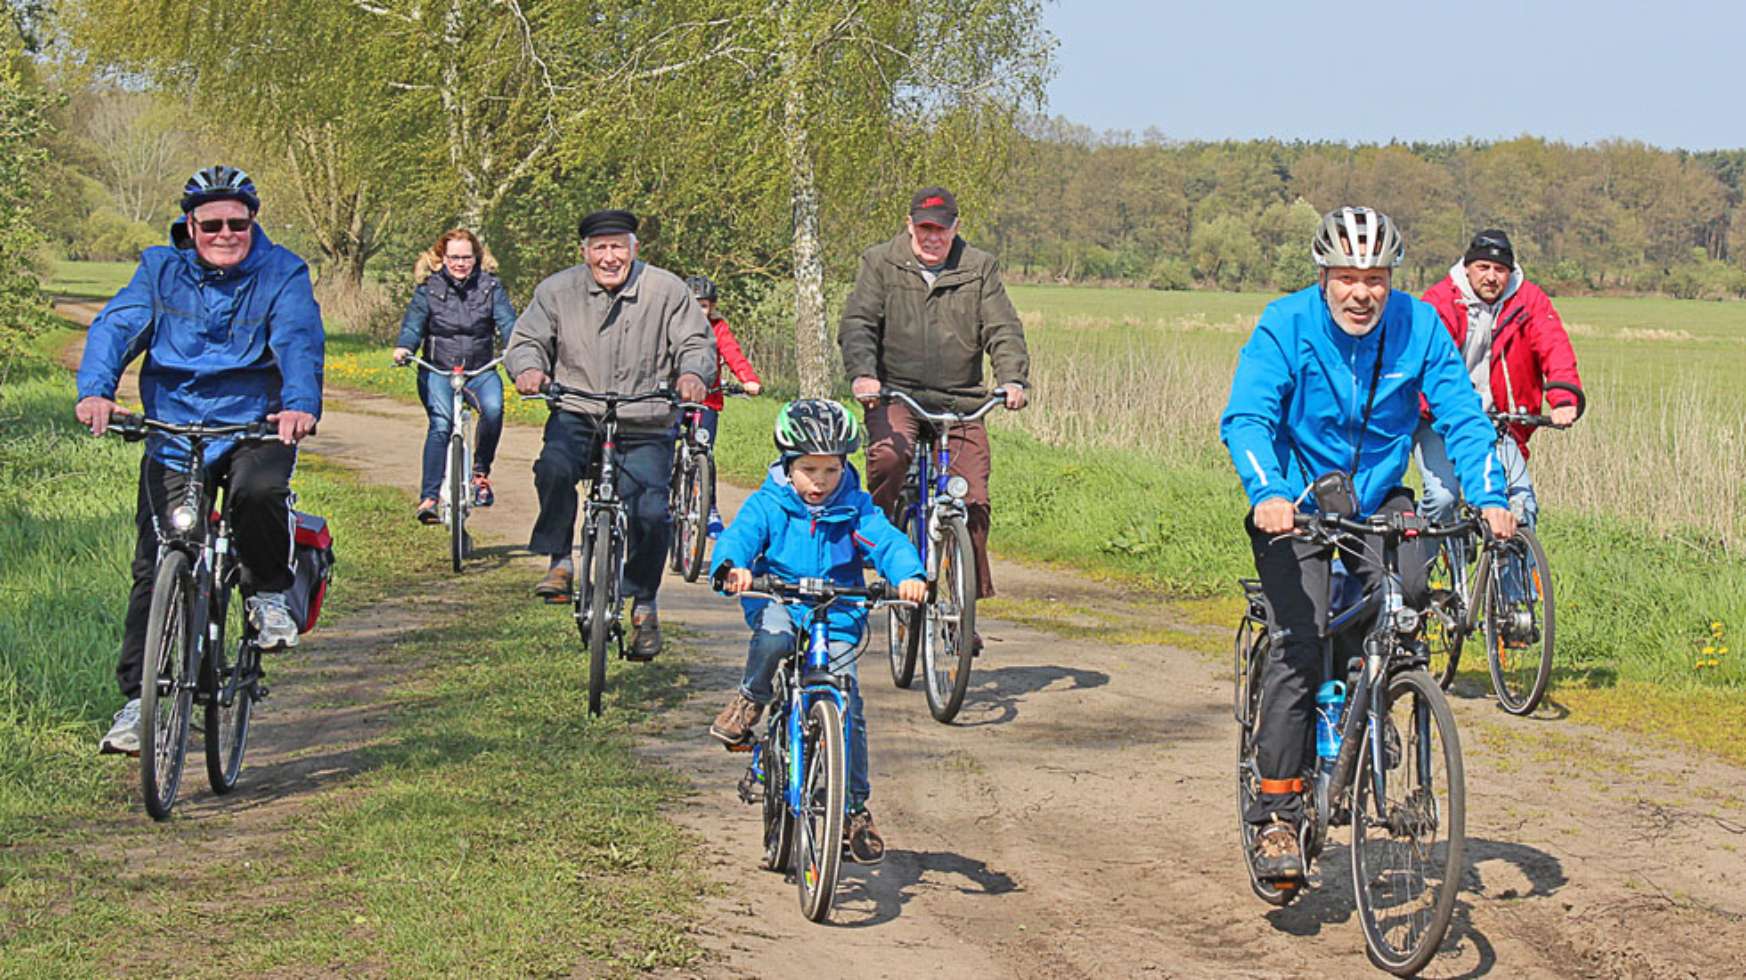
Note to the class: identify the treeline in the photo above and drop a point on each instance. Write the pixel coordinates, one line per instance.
(1618, 216)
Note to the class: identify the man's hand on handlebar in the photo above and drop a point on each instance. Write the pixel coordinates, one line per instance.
(691, 388)
(531, 381)
(402, 355)
(1275, 515)
(293, 426)
(1563, 414)
(1016, 397)
(913, 590)
(95, 412)
(752, 388)
(1501, 521)
(866, 390)
(738, 580)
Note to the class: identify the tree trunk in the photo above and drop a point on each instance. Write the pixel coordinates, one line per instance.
(811, 342)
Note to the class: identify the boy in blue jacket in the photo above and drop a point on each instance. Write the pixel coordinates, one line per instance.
(811, 519)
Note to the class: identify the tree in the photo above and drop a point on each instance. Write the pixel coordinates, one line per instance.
(22, 120)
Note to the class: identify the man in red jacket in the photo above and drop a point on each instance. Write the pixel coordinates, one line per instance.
(1513, 342)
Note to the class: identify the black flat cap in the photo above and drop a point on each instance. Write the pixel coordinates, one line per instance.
(608, 223)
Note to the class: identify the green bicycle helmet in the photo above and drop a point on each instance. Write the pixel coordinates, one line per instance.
(816, 426)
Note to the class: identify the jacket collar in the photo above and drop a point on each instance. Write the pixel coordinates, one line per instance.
(183, 242)
(835, 508)
(899, 253)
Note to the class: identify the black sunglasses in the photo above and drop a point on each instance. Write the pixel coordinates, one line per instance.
(213, 226)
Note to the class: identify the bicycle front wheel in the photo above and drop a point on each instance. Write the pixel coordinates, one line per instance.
(699, 498)
(1518, 624)
(818, 833)
(951, 646)
(458, 490)
(1409, 801)
(902, 623)
(166, 694)
(598, 585)
(232, 670)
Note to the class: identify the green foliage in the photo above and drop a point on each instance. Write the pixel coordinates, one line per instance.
(22, 123)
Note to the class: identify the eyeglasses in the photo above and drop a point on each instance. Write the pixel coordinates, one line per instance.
(457, 258)
(212, 226)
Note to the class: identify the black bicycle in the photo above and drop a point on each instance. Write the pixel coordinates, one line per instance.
(692, 495)
(596, 596)
(1393, 771)
(199, 646)
(932, 512)
(1506, 592)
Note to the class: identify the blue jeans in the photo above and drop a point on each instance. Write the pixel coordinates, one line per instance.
(1441, 482)
(772, 639)
(485, 392)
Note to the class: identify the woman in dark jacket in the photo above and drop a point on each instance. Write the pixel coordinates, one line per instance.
(459, 314)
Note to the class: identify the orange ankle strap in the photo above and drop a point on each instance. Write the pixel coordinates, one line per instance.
(1281, 786)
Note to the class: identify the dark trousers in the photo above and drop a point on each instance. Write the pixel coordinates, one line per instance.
(1295, 576)
(891, 432)
(644, 460)
(259, 477)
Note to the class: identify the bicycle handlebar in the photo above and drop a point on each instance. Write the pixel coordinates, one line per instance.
(1395, 525)
(428, 366)
(1537, 421)
(552, 389)
(770, 587)
(995, 397)
(134, 427)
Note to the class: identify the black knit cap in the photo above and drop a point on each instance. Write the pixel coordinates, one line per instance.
(607, 223)
(1491, 245)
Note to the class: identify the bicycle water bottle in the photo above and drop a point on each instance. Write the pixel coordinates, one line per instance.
(1330, 707)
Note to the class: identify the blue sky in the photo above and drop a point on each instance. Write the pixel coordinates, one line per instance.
(1669, 72)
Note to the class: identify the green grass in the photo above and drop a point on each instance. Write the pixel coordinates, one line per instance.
(88, 280)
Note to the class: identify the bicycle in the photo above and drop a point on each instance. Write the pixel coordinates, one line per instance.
(799, 768)
(692, 496)
(455, 495)
(596, 592)
(193, 611)
(1394, 716)
(1506, 591)
(932, 512)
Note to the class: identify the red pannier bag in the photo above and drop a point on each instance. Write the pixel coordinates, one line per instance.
(312, 570)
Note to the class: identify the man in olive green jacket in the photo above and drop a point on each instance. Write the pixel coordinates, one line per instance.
(925, 309)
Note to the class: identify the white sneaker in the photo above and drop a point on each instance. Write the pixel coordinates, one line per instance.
(271, 617)
(123, 737)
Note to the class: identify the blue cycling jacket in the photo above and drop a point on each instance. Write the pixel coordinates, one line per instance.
(777, 532)
(1298, 397)
(221, 346)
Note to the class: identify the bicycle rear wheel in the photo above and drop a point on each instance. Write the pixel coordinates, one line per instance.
(1443, 624)
(694, 534)
(1249, 775)
(950, 646)
(1518, 624)
(818, 834)
(1408, 825)
(458, 490)
(597, 585)
(902, 623)
(166, 694)
(231, 670)
(778, 820)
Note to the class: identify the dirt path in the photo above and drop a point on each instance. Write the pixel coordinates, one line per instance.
(1079, 820)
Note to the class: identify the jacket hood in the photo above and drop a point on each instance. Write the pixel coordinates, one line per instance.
(1458, 275)
(834, 508)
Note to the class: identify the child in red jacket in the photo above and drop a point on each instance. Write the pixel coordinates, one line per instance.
(728, 352)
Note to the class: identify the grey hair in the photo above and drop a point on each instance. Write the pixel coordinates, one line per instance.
(631, 234)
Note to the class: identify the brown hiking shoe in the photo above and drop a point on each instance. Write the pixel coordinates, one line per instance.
(555, 587)
(645, 637)
(862, 839)
(734, 725)
(1277, 854)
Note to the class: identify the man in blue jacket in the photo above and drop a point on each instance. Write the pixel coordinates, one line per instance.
(1330, 381)
(231, 334)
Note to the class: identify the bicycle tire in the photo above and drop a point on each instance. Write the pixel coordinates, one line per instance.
(950, 647)
(1444, 634)
(699, 499)
(818, 833)
(165, 697)
(1519, 676)
(230, 683)
(778, 820)
(1249, 778)
(457, 502)
(1405, 905)
(902, 635)
(676, 508)
(599, 592)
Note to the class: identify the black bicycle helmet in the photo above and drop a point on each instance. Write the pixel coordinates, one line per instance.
(816, 426)
(219, 183)
(701, 287)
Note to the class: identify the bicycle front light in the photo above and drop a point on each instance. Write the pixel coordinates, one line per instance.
(182, 519)
(957, 488)
(702, 436)
(1405, 620)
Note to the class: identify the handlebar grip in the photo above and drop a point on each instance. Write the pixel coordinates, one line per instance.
(1565, 386)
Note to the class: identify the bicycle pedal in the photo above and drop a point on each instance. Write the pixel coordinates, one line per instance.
(740, 747)
(261, 692)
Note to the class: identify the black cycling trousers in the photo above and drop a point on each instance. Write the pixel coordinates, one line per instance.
(1294, 577)
(259, 476)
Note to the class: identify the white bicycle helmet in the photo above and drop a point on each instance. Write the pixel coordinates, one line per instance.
(1357, 238)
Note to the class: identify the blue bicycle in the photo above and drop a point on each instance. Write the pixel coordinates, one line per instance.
(799, 768)
(932, 512)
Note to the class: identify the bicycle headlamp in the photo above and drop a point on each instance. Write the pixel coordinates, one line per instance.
(182, 519)
(957, 487)
(1405, 620)
(702, 435)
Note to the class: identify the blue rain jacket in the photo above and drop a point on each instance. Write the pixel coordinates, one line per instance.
(1298, 398)
(776, 532)
(221, 346)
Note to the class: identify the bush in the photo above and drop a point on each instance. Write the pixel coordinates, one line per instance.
(108, 236)
(1171, 273)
